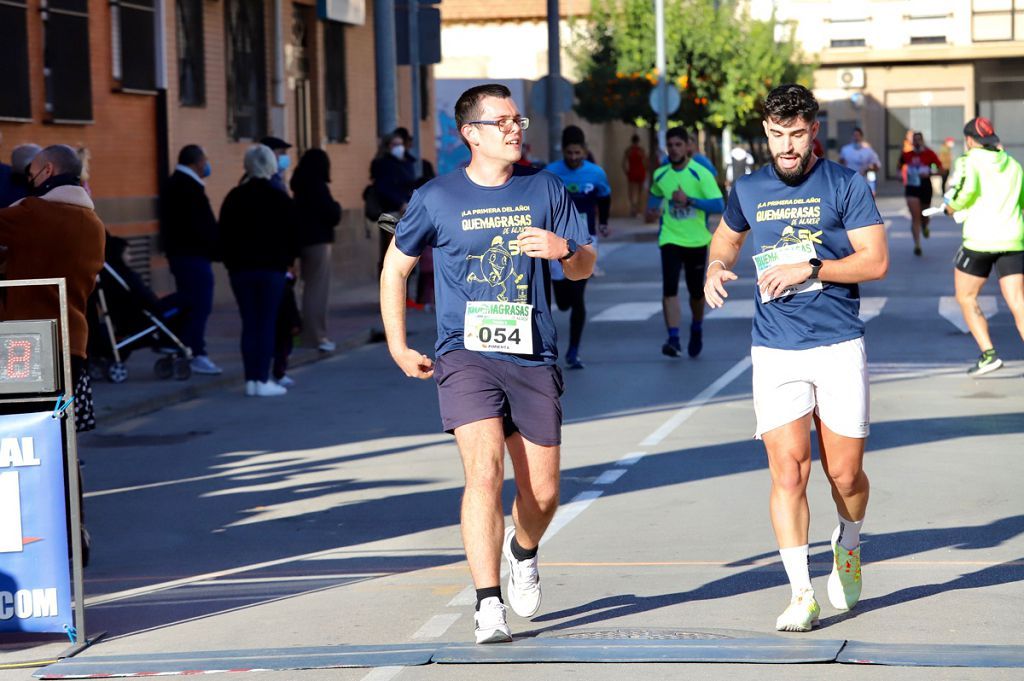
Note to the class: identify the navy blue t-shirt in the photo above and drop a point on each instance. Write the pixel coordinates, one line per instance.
(473, 231)
(830, 201)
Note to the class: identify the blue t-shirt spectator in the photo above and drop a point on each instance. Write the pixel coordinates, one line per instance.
(830, 201)
(586, 185)
(473, 231)
(706, 162)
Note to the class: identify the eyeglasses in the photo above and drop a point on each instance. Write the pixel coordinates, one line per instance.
(504, 124)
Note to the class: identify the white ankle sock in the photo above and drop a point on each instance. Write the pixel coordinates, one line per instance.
(849, 533)
(795, 560)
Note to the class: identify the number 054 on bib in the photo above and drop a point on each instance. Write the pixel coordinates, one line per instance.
(499, 327)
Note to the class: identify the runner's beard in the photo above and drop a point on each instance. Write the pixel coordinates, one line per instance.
(793, 177)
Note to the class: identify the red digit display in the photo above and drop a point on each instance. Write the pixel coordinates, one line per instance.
(19, 359)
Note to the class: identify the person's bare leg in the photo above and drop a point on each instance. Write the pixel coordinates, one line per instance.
(789, 463)
(1012, 287)
(537, 477)
(842, 459)
(482, 446)
(914, 206)
(967, 288)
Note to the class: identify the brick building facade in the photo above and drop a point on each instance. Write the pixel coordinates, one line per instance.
(218, 73)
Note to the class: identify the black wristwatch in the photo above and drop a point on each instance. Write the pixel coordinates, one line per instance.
(815, 267)
(572, 246)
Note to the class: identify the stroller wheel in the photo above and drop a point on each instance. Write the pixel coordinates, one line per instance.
(117, 372)
(164, 367)
(182, 368)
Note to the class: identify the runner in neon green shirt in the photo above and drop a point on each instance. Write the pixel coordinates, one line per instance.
(988, 188)
(684, 192)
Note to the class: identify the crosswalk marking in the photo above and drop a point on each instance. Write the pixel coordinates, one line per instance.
(742, 308)
(950, 309)
(629, 312)
(871, 307)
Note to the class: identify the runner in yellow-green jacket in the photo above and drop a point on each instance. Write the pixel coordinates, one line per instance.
(988, 189)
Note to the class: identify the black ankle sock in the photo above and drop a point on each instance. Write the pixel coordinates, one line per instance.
(488, 592)
(520, 553)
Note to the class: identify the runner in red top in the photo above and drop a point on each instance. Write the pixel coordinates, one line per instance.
(634, 165)
(917, 166)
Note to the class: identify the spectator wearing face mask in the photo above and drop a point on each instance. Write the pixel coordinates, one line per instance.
(258, 241)
(394, 178)
(14, 177)
(427, 168)
(188, 233)
(284, 161)
(55, 233)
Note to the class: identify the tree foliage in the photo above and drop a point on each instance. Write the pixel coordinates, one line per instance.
(723, 61)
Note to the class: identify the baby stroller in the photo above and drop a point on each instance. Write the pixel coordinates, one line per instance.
(127, 315)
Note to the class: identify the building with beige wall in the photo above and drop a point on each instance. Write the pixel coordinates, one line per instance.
(930, 65)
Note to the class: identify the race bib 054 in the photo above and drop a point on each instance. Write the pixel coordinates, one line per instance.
(499, 327)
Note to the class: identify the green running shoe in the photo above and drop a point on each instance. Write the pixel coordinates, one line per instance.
(802, 613)
(987, 362)
(844, 583)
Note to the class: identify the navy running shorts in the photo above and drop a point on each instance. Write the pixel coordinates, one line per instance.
(674, 259)
(980, 263)
(472, 387)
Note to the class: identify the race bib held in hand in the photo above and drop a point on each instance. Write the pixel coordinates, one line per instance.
(787, 255)
(499, 327)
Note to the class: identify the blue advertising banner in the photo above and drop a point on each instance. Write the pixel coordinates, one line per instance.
(35, 582)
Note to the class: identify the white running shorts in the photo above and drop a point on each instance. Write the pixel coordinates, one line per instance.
(831, 380)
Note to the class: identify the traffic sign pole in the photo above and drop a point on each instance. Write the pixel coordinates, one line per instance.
(659, 19)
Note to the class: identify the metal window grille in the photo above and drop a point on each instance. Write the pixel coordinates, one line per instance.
(335, 84)
(191, 55)
(133, 42)
(66, 61)
(15, 100)
(246, 69)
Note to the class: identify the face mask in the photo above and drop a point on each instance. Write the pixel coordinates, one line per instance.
(398, 151)
(283, 162)
(206, 170)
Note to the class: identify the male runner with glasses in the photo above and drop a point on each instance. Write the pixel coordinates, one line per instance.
(817, 235)
(493, 226)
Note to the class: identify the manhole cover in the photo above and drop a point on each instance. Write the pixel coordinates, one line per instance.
(637, 634)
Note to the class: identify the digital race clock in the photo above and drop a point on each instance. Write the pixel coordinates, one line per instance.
(28, 357)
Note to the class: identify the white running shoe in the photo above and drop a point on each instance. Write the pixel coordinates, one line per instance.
(523, 580)
(285, 381)
(250, 388)
(801, 614)
(491, 624)
(327, 346)
(267, 389)
(201, 364)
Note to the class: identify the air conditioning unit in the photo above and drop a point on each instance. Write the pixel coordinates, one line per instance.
(850, 78)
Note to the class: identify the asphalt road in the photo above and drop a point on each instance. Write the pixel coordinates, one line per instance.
(331, 516)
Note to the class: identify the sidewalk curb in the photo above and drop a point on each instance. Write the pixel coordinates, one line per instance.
(191, 390)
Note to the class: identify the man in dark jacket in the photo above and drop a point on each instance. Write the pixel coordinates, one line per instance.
(188, 231)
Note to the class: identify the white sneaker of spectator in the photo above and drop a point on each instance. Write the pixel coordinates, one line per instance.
(201, 364)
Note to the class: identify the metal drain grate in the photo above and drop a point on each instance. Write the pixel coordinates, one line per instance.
(638, 635)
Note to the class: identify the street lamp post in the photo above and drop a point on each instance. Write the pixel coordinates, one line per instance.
(554, 74)
(659, 19)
